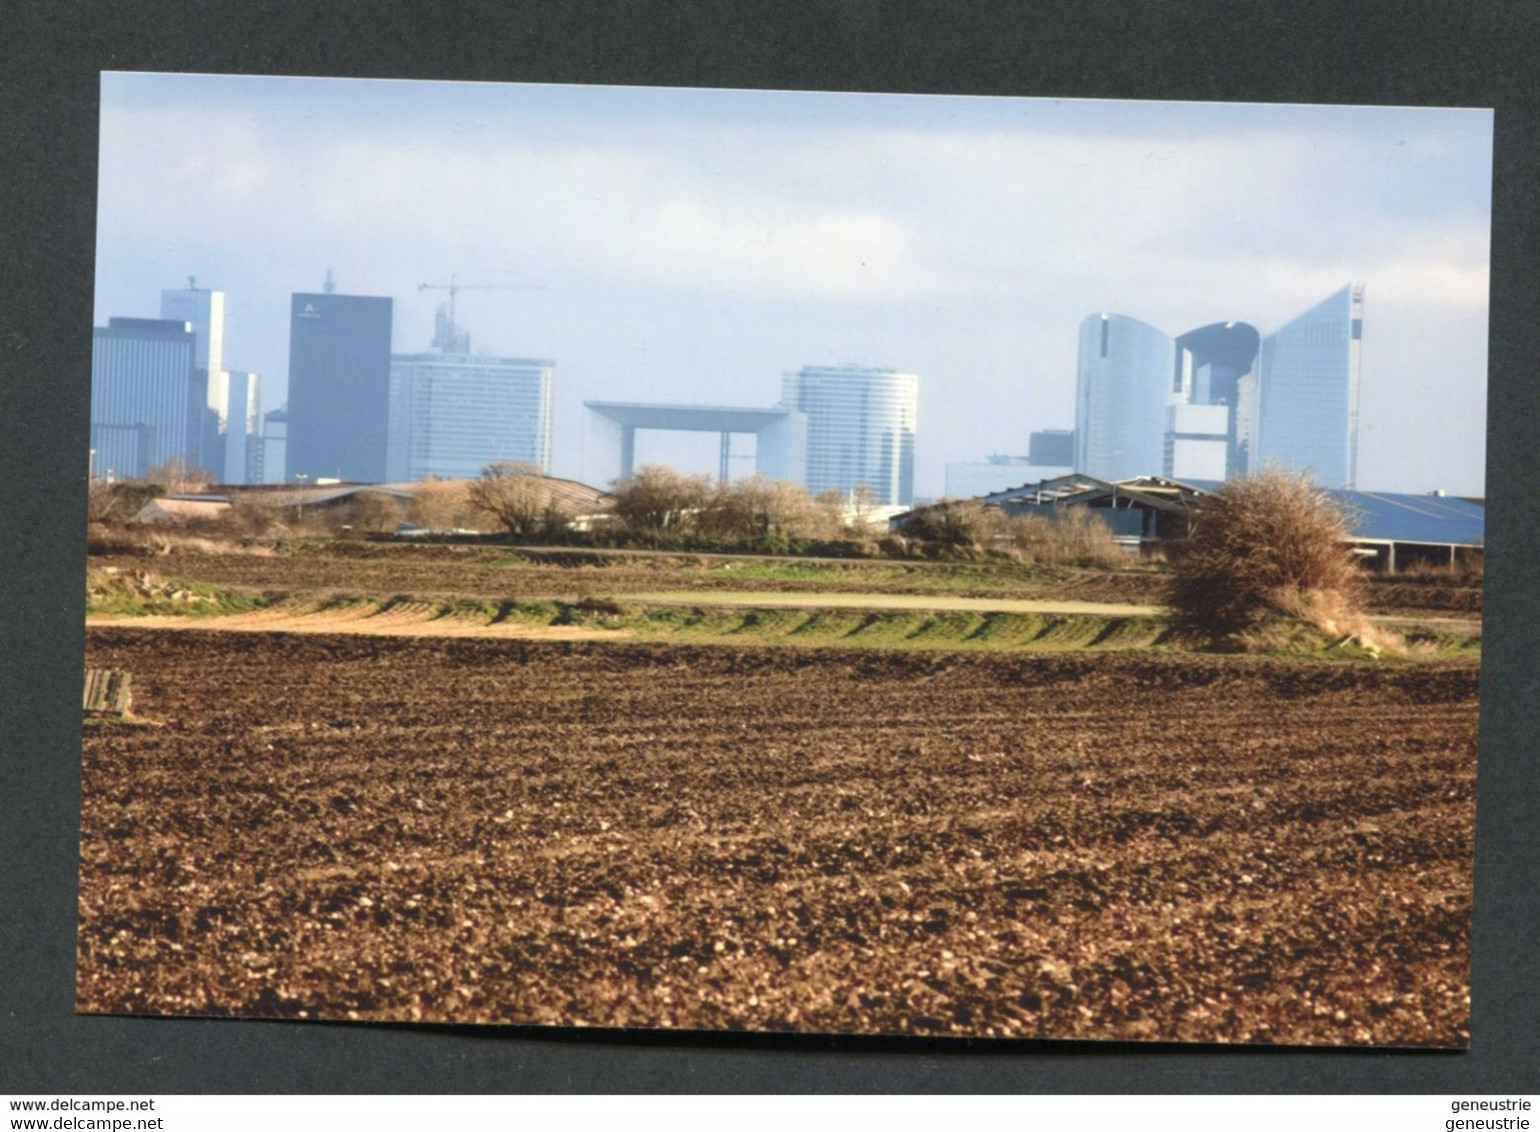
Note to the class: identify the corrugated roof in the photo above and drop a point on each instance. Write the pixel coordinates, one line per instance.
(1380, 516)
(1413, 518)
(1390, 516)
(316, 496)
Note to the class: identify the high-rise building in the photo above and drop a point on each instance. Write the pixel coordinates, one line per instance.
(237, 405)
(1127, 379)
(142, 391)
(275, 443)
(205, 311)
(339, 387)
(453, 414)
(860, 428)
(1221, 400)
(1197, 442)
(1307, 391)
(1220, 360)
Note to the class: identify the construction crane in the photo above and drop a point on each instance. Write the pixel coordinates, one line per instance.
(454, 287)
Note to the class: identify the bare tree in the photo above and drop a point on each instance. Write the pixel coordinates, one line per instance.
(117, 502)
(515, 494)
(177, 474)
(859, 511)
(374, 511)
(658, 499)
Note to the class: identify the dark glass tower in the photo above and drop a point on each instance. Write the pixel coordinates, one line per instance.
(339, 387)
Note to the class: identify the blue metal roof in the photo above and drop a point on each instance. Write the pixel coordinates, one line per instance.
(1397, 517)
(1413, 518)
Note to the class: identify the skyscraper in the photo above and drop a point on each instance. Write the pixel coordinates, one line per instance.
(339, 386)
(142, 395)
(237, 404)
(1307, 391)
(1220, 400)
(860, 428)
(453, 414)
(1127, 378)
(205, 311)
(1220, 359)
(275, 444)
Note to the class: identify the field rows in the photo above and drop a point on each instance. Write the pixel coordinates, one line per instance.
(628, 834)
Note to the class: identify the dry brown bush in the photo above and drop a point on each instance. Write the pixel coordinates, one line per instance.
(117, 502)
(243, 520)
(957, 525)
(657, 499)
(1075, 535)
(759, 507)
(444, 505)
(1270, 547)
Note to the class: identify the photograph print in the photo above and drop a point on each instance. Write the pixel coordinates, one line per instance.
(784, 561)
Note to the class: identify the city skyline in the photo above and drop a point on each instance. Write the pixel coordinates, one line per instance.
(755, 232)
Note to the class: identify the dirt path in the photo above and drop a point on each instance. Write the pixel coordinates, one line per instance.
(416, 619)
(892, 602)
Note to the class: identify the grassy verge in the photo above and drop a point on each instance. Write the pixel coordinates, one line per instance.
(803, 626)
(138, 593)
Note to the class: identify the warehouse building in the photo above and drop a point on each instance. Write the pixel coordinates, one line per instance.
(1390, 530)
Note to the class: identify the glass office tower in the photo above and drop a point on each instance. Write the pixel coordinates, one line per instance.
(860, 428)
(1127, 378)
(339, 387)
(205, 311)
(453, 414)
(237, 401)
(143, 401)
(1307, 391)
(1220, 357)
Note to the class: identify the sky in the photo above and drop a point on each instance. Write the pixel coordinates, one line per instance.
(694, 245)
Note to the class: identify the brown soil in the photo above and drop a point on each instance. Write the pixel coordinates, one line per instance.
(494, 831)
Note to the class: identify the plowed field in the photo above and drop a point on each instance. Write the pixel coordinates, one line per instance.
(1113, 846)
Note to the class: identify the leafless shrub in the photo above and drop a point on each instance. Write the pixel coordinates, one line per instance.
(117, 502)
(516, 496)
(110, 539)
(759, 508)
(241, 521)
(1074, 535)
(176, 474)
(657, 499)
(957, 526)
(1268, 547)
(445, 505)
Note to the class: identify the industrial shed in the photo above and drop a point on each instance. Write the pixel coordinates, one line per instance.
(1391, 530)
(1396, 531)
(1142, 511)
(179, 510)
(310, 503)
